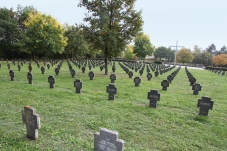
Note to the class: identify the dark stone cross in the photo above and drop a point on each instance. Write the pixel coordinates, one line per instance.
(196, 88)
(149, 76)
(91, 75)
(137, 81)
(56, 71)
(51, 81)
(170, 78)
(83, 69)
(8, 65)
(130, 74)
(107, 140)
(32, 121)
(156, 73)
(38, 65)
(113, 68)
(111, 89)
(42, 70)
(113, 78)
(48, 66)
(101, 68)
(164, 84)
(11, 73)
(153, 96)
(19, 67)
(205, 104)
(73, 73)
(141, 72)
(78, 85)
(29, 77)
(30, 68)
(192, 81)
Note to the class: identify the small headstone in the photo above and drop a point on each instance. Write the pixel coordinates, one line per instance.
(19, 67)
(30, 68)
(91, 75)
(107, 140)
(164, 84)
(156, 73)
(111, 89)
(170, 78)
(196, 88)
(112, 78)
(11, 73)
(32, 121)
(205, 104)
(101, 68)
(130, 74)
(113, 68)
(192, 81)
(51, 81)
(8, 65)
(56, 71)
(149, 76)
(73, 73)
(83, 69)
(48, 66)
(78, 85)
(153, 96)
(42, 70)
(137, 81)
(29, 77)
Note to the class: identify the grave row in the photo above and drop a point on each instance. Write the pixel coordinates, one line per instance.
(222, 72)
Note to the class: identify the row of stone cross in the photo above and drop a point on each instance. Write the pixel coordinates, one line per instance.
(222, 72)
(104, 140)
(196, 87)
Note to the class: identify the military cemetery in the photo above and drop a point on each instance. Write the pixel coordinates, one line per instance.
(102, 85)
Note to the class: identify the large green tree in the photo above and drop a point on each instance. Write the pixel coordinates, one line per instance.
(129, 52)
(143, 46)
(165, 53)
(43, 36)
(9, 32)
(201, 57)
(112, 25)
(184, 56)
(76, 43)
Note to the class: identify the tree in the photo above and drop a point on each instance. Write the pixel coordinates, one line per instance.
(220, 60)
(76, 43)
(112, 25)
(165, 53)
(9, 32)
(143, 47)
(43, 36)
(184, 56)
(129, 52)
(211, 48)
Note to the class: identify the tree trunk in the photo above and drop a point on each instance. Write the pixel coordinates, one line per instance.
(106, 61)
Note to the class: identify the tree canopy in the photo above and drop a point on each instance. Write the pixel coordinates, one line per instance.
(143, 46)
(220, 59)
(129, 52)
(184, 56)
(44, 35)
(112, 25)
(165, 53)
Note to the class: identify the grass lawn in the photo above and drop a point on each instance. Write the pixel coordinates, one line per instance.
(69, 120)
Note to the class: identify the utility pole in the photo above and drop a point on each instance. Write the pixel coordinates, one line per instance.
(176, 51)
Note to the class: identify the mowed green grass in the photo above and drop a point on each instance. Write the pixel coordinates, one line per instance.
(69, 120)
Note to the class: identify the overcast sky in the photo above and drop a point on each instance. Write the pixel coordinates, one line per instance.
(191, 22)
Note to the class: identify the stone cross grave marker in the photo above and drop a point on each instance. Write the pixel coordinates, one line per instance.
(137, 81)
(156, 73)
(51, 81)
(32, 121)
(78, 85)
(38, 65)
(196, 88)
(149, 76)
(107, 140)
(42, 70)
(48, 66)
(101, 68)
(170, 78)
(113, 68)
(73, 73)
(130, 74)
(113, 78)
(11, 73)
(153, 96)
(83, 69)
(205, 104)
(141, 72)
(164, 84)
(29, 77)
(19, 67)
(111, 89)
(8, 65)
(30, 68)
(192, 81)
(56, 71)
(91, 75)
